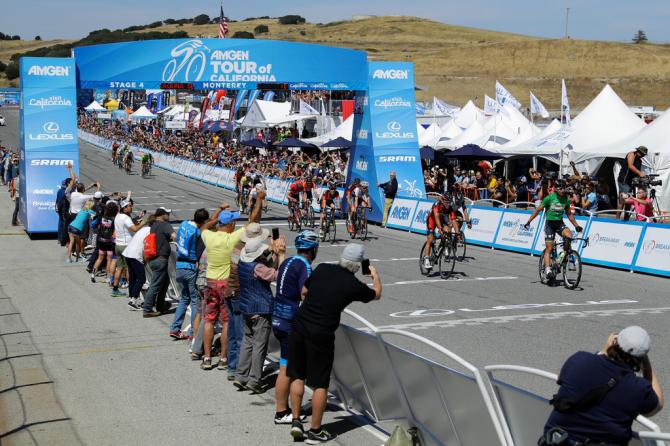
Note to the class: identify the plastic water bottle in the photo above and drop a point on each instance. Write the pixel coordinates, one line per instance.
(561, 256)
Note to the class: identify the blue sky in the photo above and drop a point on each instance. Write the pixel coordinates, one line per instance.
(589, 19)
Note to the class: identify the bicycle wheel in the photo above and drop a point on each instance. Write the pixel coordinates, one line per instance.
(461, 248)
(312, 219)
(291, 220)
(540, 269)
(323, 231)
(447, 260)
(364, 229)
(351, 228)
(572, 270)
(422, 258)
(332, 230)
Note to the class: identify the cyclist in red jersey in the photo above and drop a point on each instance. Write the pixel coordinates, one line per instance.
(308, 182)
(296, 194)
(439, 218)
(349, 196)
(329, 198)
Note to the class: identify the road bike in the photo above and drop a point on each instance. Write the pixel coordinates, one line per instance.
(128, 165)
(359, 224)
(442, 253)
(328, 228)
(146, 170)
(294, 216)
(308, 220)
(244, 204)
(569, 263)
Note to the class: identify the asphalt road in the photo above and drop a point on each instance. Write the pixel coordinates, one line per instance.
(494, 312)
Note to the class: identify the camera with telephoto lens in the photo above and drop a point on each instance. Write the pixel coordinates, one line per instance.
(647, 181)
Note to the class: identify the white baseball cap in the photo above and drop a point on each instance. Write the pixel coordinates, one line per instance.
(634, 340)
(98, 194)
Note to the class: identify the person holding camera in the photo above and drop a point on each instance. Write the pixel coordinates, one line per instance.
(601, 394)
(631, 170)
(641, 203)
(328, 291)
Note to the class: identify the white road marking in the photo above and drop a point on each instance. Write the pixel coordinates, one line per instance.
(532, 317)
(454, 280)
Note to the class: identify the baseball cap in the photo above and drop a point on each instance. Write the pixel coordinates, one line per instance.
(124, 203)
(167, 211)
(98, 194)
(353, 252)
(225, 217)
(634, 340)
(642, 149)
(160, 212)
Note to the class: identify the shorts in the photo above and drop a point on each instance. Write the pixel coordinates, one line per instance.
(310, 358)
(283, 337)
(105, 247)
(553, 227)
(293, 197)
(215, 301)
(120, 260)
(624, 188)
(74, 231)
(309, 195)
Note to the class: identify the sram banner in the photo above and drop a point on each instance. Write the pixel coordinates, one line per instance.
(401, 214)
(612, 243)
(485, 223)
(654, 251)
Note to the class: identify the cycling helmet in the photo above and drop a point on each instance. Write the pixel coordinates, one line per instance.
(364, 184)
(356, 180)
(306, 240)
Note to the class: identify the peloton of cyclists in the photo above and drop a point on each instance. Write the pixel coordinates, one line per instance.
(329, 199)
(555, 206)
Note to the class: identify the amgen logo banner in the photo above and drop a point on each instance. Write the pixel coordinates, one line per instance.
(401, 213)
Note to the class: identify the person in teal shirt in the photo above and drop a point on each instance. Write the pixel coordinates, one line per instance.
(555, 206)
(77, 230)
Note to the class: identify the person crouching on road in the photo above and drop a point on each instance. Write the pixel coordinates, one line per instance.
(600, 394)
(328, 291)
(256, 269)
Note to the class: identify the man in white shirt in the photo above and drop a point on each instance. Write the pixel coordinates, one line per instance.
(124, 229)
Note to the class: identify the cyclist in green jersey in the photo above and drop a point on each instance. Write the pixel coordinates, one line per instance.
(555, 206)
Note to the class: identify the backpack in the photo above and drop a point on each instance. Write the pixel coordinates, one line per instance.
(106, 230)
(150, 247)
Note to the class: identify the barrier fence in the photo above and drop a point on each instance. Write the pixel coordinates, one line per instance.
(632, 245)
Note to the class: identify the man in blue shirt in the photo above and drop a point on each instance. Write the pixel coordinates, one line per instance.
(600, 395)
(189, 249)
(291, 278)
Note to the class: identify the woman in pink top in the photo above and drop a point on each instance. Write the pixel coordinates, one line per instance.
(642, 205)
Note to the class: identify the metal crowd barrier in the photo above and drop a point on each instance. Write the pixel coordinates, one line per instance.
(524, 413)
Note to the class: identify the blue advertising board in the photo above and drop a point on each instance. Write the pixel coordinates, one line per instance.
(48, 137)
(214, 64)
(385, 137)
(9, 96)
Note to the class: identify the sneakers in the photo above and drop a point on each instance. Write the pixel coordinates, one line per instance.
(206, 364)
(427, 264)
(547, 271)
(223, 364)
(132, 303)
(287, 418)
(321, 436)
(255, 388)
(118, 293)
(123, 283)
(92, 277)
(152, 314)
(231, 377)
(297, 431)
(239, 385)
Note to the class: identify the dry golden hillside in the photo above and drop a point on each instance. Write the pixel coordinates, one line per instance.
(457, 63)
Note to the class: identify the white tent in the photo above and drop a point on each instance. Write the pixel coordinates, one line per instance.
(449, 131)
(472, 135)
(430, 136)
(262, 114)
(95, 107)
(469, 114)
(528, 147)
(142, 113)
(344, 130)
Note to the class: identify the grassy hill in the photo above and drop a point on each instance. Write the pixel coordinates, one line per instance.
(457, 63)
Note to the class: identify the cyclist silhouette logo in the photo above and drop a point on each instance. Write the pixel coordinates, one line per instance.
(189, 60)
(649, 246)
(411, 189)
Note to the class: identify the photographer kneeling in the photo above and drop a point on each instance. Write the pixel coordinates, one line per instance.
(600, 394)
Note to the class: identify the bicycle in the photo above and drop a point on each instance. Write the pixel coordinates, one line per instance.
(328, 229)
(128, 165)
(442, 253)
(359, 224)
(146, 170)
(569, 263)
(244, 205)
(294, 217)
(308, 215)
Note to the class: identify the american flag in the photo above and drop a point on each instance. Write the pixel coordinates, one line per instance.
(223, 25)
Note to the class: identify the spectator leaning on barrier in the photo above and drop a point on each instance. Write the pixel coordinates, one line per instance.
(256, 269)
(328, 291)
(159, 266)
(600, 394)
(390, 191)
(188, 241)
(124, 229)
(293, 274)
(642, 205)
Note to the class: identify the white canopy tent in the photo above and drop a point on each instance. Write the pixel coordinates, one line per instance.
(265, 114)
(95, 107)
(469, 114)
(142, 113)
(344, 130)
(472, 135)
(430, 136)
(528, 147)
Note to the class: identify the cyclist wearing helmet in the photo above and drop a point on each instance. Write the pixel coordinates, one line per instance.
(330, 198)
(459, 214)
(291, 278)
(439, 217)
(246, 184)
(362, 195)
(309, 185)
(555, 206)
(296, 194)
(348, 195)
